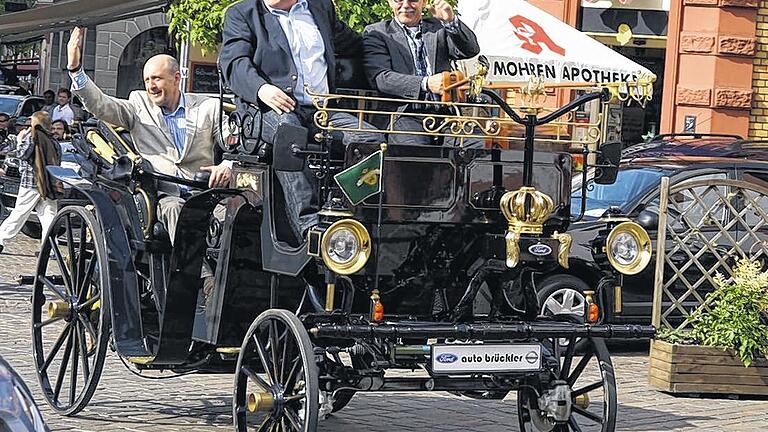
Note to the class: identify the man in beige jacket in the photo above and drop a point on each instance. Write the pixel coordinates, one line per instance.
(175, 132)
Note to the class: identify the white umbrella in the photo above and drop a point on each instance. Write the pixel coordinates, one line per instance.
(520, 41)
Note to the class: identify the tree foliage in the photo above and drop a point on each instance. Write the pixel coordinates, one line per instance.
(206, 18)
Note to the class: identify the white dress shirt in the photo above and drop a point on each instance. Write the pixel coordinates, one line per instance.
(307, 49)
(63, 113)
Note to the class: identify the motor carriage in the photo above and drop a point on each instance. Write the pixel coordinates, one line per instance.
(423, 260)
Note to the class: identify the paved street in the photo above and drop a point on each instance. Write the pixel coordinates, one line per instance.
(202, 403)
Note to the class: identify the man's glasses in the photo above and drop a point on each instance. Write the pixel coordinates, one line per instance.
(405, 1)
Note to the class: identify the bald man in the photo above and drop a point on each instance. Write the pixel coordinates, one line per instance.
(175, 132)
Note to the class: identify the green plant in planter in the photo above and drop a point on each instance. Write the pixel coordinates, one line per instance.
(738, 315)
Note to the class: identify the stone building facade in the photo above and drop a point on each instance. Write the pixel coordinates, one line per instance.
(115, 60)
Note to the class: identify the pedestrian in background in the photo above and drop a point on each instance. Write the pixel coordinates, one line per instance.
(64, 110)
(50, 101)
(38, 190)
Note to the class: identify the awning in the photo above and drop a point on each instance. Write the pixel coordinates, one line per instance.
(65, 14)
(520, 41)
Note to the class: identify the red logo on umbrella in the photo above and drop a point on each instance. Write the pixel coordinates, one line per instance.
(534, 36)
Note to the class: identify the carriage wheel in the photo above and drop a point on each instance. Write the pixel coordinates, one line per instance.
(276, 384)
(588, 371)
(70, 318)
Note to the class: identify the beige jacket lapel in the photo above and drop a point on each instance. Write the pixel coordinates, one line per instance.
(191, 116)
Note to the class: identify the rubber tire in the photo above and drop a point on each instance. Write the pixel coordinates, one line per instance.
(38, 350)
(551, 284)
(306, 350)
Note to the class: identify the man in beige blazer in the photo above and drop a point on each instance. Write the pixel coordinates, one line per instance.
(174, 131)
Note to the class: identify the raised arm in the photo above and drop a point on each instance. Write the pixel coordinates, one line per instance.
(113, 110)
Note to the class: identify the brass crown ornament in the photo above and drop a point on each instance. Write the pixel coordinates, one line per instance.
(520, 221)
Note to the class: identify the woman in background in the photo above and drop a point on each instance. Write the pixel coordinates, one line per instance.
(37, 190)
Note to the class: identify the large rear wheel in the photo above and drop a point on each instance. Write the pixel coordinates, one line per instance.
(276, 382)
(70, 318)
(588, 372)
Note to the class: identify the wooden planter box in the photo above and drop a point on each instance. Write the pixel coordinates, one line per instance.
(697, 369)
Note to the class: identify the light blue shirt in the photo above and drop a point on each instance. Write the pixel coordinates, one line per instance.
(307, 49)
(177, 125)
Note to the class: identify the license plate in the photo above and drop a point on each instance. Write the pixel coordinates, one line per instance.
(457, 359)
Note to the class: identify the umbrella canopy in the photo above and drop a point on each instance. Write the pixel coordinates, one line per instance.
(63, 15)
(520, 41)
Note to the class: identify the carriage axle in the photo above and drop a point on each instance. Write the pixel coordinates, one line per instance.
(484, 331)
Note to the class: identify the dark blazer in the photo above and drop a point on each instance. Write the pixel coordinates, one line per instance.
(389, 63)
(255, 50)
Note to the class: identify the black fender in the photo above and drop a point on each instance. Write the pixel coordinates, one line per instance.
(122, 288)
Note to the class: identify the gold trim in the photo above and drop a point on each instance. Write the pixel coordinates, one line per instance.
(228, 350)
(330, 296)
(364, 247)
(335, 213)
(617, 301)
(643, 241)
(57, 309)
(143, 360)
(260, 401)
(564, 247)
(513, 248)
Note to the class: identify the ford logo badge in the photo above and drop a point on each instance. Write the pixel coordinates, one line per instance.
(540, 249)
(447, 358)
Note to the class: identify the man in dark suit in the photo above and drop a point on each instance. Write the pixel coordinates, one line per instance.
(271, 50)
(405, 56)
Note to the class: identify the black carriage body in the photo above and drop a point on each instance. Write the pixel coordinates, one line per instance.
(441, 222)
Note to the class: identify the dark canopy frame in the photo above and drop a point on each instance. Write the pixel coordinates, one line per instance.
(37, 22)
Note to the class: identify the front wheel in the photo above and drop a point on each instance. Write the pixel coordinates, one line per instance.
(276, 382)
(589, 376)
(70, 311)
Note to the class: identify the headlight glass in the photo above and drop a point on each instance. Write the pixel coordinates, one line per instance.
(342, 246)
(625, 248)
(628, 248)
(346, 246)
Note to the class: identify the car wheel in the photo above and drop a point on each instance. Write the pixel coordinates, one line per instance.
(562, 294)
(32, 229)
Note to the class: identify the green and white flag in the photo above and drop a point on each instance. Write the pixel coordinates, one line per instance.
(362, 180)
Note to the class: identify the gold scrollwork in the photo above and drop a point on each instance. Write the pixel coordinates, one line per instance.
(246, 180)
(513, 248)
(564, 248)
(321, 118)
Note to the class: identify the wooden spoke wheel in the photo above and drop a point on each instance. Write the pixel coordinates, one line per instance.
(70, 313)
(587, 368)
(276, 382)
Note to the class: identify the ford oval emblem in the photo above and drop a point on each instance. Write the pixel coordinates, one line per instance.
(540, 249)
(447, 358)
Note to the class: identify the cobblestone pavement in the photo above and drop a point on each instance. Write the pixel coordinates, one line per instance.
(202, 402)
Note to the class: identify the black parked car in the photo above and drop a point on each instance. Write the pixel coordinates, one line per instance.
(20, 106)
(636, 193)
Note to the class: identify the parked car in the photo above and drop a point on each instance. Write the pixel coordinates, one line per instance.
(636, 194)
(18, 411)
(20, 106)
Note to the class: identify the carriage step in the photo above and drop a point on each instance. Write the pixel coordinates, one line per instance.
(228, 350)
